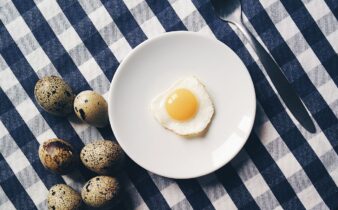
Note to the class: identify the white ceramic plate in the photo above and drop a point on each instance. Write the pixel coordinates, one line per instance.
(154, 66)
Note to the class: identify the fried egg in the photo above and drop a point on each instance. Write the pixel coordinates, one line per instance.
(185, 108)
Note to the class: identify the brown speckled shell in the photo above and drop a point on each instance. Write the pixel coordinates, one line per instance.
(100, 191)
(92, 108)
(57, 155)
(63, 197)
(54, 95)
(102, 157)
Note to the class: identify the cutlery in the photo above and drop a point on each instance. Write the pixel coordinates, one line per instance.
(231, 12)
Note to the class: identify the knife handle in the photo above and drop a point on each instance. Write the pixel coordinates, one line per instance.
(283, 87)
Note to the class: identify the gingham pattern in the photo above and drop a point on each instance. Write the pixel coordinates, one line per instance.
(281, 167)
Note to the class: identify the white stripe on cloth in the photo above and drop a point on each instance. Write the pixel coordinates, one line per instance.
(312, 67)
(84, 131)
(39, 197)
(5, 203)
(132, 3)
(309, 197)
(24, 113)
(183, 8)
(332, 39)
(172, 194)
(17, 28)
(286, 171)
(330, 96)
(101, 19)
(92, 66)
(134, 201)
(28, 102)
(308, 60)
(288, 163)
(70, 39)
(169, 189)
(216, 193)
(6, 83)
(318, 9)
(17, 161)
(38, 58)
(177, 5)
(152, 26)
(252, 183)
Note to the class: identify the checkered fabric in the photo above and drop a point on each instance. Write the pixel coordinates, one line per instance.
(282, 166)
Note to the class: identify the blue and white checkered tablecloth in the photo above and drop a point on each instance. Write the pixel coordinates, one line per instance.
(282, 166)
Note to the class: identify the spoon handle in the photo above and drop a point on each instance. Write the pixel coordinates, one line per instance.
(283, 87)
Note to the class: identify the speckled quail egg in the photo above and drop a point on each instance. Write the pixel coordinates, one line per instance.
(102, 157)
(100, 191)
(92, 108)
(63, 197)
(54, 95)
(57, 155)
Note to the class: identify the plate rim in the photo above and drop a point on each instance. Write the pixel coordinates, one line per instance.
(130, 55)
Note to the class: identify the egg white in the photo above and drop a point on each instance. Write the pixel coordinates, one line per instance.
(193, 126)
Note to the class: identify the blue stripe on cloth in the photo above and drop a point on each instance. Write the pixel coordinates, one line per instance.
(273, 176)
(302, 84)
(191, 189)
(84, 85)
(194, 194)
(166, 15)
(90, 36)
(27, 78)
(8, 182)
(235, 188)
(125, 22)
(65, 123)
(195, 185)
(265, 28)
(270, 166)
(145, 186)
(314, 36)
(60, 126)
(50, 44)
(322, 113)
(69, 8)
(107, 133)
(313, 167)
(302, 151)
(25, 140)
(284, 126)
(333, 5)
(12, 54)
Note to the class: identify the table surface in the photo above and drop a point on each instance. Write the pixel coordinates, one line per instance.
(282, 166)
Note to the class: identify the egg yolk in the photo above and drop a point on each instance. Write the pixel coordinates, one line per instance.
(181, 105)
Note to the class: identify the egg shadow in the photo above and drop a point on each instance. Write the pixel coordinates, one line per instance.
(203, 133)
(124, 200)
(74, 119)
